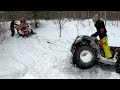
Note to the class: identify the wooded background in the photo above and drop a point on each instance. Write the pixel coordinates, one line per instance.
(59, 15)
(109, 15)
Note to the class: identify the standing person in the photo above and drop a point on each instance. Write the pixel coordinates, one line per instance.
(12, 27)
(102, 33)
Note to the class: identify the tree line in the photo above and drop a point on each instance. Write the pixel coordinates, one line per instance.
(108, 15)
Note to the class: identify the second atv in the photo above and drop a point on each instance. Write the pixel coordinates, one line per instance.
(87, 49)
(24, 30)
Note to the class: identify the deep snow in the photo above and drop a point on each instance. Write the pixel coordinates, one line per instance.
(48, 56)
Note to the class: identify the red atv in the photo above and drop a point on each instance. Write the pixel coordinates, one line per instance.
(24, 30)
(87, 49)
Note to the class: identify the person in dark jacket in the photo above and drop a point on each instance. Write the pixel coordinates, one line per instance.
(102, 33)
(12, 27)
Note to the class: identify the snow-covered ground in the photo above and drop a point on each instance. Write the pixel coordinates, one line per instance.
(48, 56)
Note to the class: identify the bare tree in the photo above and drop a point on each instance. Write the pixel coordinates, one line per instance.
(88, 18)
(60, 21)
(117, 17)
(61, 25)
(105, 17)
(77, 26)
(35, 18)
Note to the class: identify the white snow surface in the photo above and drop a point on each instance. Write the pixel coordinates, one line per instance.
(48, 56)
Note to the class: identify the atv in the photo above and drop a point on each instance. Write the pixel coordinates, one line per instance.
(87, 49)
(25, 31)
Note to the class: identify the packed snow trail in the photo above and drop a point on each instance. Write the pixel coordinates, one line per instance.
(48, 56)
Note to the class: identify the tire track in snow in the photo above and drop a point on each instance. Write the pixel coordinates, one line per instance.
(27, 53)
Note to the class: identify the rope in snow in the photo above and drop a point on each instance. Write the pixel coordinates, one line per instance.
(49, 41)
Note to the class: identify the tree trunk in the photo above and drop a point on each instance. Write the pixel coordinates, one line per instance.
(88, 18)
(105, 18)
(60, 30)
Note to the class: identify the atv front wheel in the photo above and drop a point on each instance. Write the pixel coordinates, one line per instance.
(85, 57)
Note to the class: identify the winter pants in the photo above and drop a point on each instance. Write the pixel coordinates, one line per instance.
(12, 32)
(106, 47)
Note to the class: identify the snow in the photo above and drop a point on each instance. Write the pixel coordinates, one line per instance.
(48, 56)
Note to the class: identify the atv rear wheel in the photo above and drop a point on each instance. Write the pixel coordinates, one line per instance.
(117, 64)
(85, 57)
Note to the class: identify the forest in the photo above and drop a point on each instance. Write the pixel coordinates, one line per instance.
(47, 15)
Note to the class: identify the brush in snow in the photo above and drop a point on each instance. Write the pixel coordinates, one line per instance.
(87, 51)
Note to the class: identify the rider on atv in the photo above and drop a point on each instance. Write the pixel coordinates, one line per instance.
(102, 33)
(23, 29)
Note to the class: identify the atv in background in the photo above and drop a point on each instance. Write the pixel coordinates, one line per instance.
(24, 30)
(87, 49)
